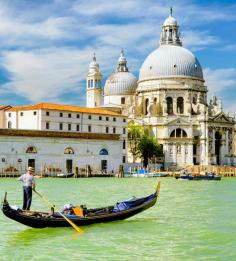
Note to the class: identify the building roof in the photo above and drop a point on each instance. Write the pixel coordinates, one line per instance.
(170, 61)
(62, 107)
(58, 134)
(4, 107)
(122, 82)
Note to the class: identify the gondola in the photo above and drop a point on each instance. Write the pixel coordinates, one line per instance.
(198, 177)
(119, 211)
(64, 175)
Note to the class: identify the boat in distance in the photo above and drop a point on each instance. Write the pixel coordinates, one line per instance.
(208, 176)
(119, 211)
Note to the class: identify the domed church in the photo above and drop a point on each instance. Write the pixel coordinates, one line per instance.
(169, 98)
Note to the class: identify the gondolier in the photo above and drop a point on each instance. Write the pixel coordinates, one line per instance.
(28, 184)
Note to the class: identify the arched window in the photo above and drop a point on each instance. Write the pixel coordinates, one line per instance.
(173, 135)
(146, 106)
(91, 84)
(103, 152)
(178, 133)
(31, 149)
(180, 105)
(9, 125)
(68, 151)
(169, 102)
(194, 100)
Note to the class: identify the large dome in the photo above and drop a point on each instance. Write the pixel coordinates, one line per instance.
(120, 83)
(170, 61)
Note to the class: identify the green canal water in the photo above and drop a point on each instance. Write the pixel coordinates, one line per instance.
(193, 220)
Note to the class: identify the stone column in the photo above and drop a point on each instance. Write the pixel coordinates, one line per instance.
(175, 153)
(190, 154)
(227, 142)
(213, 141)
(174, 105)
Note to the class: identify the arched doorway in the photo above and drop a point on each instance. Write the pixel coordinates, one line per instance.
(217, 146)
(31, 159)
(69, 161)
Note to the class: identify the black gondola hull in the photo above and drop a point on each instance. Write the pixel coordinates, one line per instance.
(52, 221)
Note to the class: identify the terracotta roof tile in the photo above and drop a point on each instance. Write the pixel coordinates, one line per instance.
(62, 107)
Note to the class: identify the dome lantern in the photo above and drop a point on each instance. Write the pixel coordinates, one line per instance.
(122, 63)
(170, 31)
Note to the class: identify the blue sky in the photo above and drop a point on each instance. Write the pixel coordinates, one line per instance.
(46, 45)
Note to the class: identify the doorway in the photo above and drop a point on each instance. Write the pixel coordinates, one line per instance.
(31, 163)
(69, 165)
(104, 165)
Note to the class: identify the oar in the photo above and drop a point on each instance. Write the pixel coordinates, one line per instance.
(53, 206)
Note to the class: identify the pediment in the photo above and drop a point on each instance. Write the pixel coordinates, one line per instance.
(178, 122)
(221, 118)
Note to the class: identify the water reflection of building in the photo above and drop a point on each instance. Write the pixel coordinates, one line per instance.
(170, 98)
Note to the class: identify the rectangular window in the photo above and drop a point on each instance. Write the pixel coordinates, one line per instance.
(124, 130)
(124, 159)
(114, 129)
(107, 129)
(78, 116)
(35, 113)
(124, 144)
(47, 113)
(9, 115)
(107, 118)
(47, 125)
(89, 128)
(122, 100)
(61, 126)
(69, 126)
(77, 127)
(61, 114)
(69, 115)
(89, 117)
(100, 118)
(114, 119)
(124, 120)
(21, 114)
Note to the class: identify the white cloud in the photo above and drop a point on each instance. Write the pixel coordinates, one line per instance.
(198, 40)
(46, 47)
(222, 83)
(44, 74)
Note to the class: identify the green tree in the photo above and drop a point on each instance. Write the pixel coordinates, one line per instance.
(148, 147)
(135, 133)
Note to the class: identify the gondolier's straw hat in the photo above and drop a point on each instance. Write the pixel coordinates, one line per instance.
(31, 169)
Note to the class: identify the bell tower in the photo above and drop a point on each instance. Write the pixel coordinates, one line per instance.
(94, 85)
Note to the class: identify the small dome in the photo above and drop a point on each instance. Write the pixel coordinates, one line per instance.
(170, 21)
(170, 61)
(120, 83)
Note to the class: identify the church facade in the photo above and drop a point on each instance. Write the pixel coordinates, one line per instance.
(170, 99)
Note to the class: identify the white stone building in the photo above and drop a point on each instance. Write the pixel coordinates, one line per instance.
(170, 98)
(62, 137)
